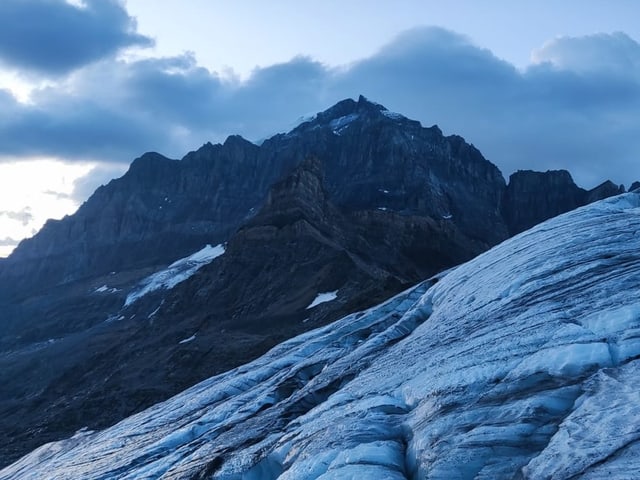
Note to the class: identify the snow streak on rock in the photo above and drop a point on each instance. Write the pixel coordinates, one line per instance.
(175, 273)
(523, 363)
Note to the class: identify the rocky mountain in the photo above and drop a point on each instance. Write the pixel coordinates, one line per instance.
(123, 304)
(162, 209)
(532, 197)
(522, 363)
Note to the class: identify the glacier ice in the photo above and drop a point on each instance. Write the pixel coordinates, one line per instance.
(522, 363)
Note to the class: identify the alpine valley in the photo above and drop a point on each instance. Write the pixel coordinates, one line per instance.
(361, 297)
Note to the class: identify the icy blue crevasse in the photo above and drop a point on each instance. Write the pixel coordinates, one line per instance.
(521, 363)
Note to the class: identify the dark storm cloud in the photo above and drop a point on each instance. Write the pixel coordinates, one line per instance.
(82, 131)
(23, 216)
(118, 110)
(55, 37)
(572, 109)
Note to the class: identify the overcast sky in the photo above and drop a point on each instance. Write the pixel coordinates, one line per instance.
(87, 86)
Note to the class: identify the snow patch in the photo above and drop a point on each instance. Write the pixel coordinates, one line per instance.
(323, 298)
(393, 115)
(187, 340)
(152, 314)
(175, 273)
(105, 289)
(338, 125)
(310, 117)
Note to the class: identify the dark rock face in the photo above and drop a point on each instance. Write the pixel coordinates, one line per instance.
(359, 200)
(160, 210)
(532, 197)
(163, 209)
(423, 172)
(604, 190)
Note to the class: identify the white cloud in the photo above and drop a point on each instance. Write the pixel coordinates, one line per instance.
(608, 54)
(25, 195)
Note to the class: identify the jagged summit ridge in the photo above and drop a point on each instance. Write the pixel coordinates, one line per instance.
(338, 117)
(532, 197)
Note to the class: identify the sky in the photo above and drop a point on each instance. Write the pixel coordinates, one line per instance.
(86, 86)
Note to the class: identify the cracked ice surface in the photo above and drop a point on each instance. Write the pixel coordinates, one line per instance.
(521, 363)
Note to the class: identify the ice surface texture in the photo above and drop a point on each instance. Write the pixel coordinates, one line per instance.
(522, 363)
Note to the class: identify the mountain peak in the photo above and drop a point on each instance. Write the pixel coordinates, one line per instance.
(348, 110)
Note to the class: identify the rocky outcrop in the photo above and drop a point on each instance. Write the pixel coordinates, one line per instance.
(532, 197)
(376, 158)
(604, 190)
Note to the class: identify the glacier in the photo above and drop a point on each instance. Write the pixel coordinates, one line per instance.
(522, 363)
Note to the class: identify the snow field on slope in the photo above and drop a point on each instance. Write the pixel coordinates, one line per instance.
(177, 272)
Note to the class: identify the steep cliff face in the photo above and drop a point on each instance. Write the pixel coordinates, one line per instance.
(532, 197)
(160, 210)
(423, 172)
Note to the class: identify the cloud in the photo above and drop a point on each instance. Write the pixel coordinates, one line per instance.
(570, 109)
(99, 175)
(8, 242)
(611, 54)
(23, 216)
(56, 37)
(57, 195)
